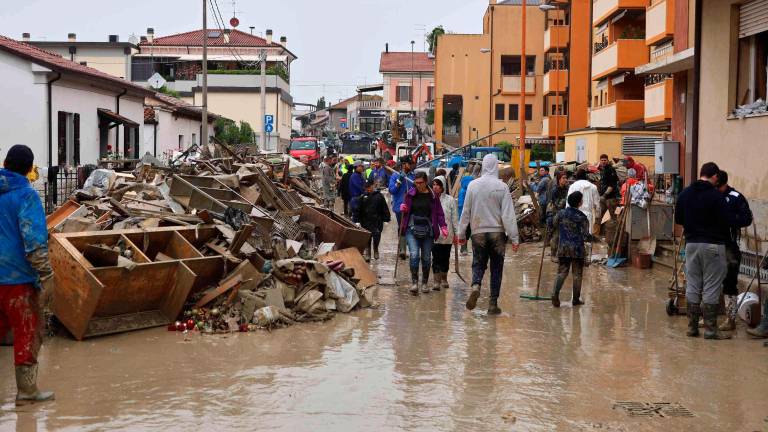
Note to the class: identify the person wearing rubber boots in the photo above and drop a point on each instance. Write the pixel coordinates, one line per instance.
(399, 183)
(573, 228)
(24, 270)
(739, 207)
(702, 211)
(490, 212)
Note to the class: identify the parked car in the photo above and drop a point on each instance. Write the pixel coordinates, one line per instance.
(307, 150)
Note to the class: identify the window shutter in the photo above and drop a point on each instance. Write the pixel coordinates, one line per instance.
(753, 18)
(76, 151)
(62, 138)
(397, 94)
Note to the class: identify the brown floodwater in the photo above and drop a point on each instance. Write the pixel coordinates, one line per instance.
(417, 364)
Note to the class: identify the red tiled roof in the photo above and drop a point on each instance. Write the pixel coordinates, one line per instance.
(195, 38)
(149, 115)
(60, 64)
(405, 62)
(343, 104)
(181, 107)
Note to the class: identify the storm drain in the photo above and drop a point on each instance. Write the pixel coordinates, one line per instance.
(653, 409)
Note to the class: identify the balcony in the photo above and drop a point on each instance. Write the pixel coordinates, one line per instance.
(554, 125)
(513, 84)
(555, 81)
(243, 81)
(603, 10)
(616, 114)
(660, 22)
(557, 37)
(621, 55)
(658, 102)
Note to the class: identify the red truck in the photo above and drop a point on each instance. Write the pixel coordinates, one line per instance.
(306, 149)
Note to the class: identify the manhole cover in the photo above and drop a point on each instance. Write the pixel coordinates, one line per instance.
(653, 409)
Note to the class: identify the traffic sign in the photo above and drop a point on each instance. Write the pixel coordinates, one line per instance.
(343, 125)
(268, 128)
(269, 123)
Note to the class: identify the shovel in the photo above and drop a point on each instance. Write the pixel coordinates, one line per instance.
(647, 244)
(541, 266)
(616, 260)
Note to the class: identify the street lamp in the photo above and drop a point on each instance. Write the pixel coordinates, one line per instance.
(546, 8)
(413, 133)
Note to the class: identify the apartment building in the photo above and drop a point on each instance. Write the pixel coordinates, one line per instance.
(110, 56)
(479, 78)
(409, 83)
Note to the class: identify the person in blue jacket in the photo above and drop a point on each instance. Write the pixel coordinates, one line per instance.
(465, 181)
(24, 269)
(399, 183)
(356, 188)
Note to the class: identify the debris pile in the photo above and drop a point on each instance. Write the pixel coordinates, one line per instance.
(219, 241)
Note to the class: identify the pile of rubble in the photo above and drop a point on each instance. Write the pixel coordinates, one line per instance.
(219, 241)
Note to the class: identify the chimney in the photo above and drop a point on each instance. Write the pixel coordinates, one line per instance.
(114, 38)
(25, 37)
(150, 34)
(143, 39)
(226, 35)
(72, 37)
(283, 41)
(386, 48)
(269, 37)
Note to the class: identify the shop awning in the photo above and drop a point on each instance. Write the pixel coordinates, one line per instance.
(677, 62)
(114, 117)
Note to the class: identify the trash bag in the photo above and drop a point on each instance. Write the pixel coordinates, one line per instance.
(345, 294)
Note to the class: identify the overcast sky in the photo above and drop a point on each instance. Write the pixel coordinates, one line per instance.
(338, 42)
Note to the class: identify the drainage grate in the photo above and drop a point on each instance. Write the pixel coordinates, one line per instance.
(653, 409)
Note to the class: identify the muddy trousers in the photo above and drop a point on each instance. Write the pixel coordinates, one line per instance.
(441, 258)
(375, 239)
(20, 312)
(731, 282)
(564, 267)
(489, 247)
(420, 251)
(705, 270)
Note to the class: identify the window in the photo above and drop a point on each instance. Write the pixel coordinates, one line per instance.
(514, 112)
(194, 138)
(753, 65)
(181, 142)
(528, 112)
(403, 93)
(499, 112)
(510, 65)
(131, 142)
(431, 93)
(68, 139)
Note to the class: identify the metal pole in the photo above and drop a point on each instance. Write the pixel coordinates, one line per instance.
(413, 131)
(557, 87)
(524, 73)
(204, 128)
(264, 100)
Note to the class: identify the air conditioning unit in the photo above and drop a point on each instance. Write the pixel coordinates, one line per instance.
(667, 157)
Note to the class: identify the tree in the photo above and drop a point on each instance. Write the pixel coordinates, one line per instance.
(432, 38)
(230, 133)
(321, 103)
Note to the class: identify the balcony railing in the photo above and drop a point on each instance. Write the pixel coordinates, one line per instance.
(652, 79)
(616, 114)
(622, 55)
(658, 101)
(555, 125)
(556, 37)
(603, 10)
(555, 81)
(661, 51)
(554, 64)
(659, 22)
(513, 84)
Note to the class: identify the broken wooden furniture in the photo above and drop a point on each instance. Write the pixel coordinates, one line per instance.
(206, 193)
(332, 228)
(168, 265)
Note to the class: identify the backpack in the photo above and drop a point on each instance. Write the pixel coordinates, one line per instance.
(421, 227)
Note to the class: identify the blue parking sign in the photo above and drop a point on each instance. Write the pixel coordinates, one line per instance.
(269, 123)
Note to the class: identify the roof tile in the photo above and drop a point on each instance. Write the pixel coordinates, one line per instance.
(406, 62)
(195, 38)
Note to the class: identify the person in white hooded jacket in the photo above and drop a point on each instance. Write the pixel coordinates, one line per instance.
(490, 211)
(441, 250)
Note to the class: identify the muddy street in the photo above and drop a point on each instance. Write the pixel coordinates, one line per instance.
(421, 363)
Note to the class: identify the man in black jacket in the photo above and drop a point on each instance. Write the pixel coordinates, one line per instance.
(344, 187)
(609, 189)
(373, 212)
(739, 207)
(702, 211)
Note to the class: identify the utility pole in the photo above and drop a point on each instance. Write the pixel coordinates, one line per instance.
(204, 128)
(524, 73)
(413, 130)
(264, 99)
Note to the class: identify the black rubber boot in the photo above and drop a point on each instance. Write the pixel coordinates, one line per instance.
(415, 281)
(425, 283)
(710, 323)
(577, 298)
(694, 313)
(493, 307)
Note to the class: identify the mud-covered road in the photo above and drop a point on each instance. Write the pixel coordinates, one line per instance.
(418, 364)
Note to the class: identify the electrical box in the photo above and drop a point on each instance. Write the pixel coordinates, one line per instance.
(667, 157)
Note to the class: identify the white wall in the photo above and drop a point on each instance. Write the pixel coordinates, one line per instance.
(75, 97)
(23, 118)
(169, 128)
(113, 61)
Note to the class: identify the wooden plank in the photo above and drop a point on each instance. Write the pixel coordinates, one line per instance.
(240, 238)
(219, 290)
(352, 258)
(174, 301)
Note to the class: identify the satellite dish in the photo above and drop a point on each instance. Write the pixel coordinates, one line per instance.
(156, 81)
(133, 39)
(234, 22)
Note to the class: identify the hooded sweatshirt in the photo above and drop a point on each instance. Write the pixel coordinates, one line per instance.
(22, 229)
(488, 205)
(450, 212)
